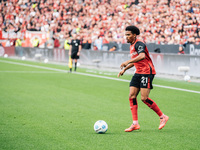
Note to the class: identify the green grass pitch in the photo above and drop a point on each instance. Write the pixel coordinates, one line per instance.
(42, 109)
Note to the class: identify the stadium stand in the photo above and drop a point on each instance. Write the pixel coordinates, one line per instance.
(160, 21)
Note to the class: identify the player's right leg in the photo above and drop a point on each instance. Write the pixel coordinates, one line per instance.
(134, 107)
(132, 128)
(71, 65)
(72, 60)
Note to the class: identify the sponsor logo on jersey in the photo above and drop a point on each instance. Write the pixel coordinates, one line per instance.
(133, 53)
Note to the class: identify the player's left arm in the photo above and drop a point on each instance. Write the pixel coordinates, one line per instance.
(140, 48)
(70, 50)
(79, 49)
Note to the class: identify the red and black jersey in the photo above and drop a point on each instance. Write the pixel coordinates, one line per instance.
(144, 66)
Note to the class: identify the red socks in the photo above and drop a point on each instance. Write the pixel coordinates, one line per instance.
(134, 107)
(151, 104)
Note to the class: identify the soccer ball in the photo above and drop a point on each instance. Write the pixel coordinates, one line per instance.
(23, 58)
(46, 60)
(187, 78)
(5, 55)
(100, 126)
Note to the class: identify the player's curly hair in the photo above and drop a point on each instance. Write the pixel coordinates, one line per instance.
(133, 29)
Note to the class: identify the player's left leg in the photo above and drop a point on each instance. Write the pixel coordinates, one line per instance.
(146, 86)
(76, 60)
(75, 64)
(151, 104)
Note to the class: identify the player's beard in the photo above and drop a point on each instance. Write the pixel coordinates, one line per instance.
(133, 40)
(130, 40)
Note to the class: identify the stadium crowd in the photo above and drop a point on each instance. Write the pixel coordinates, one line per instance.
(160, 21)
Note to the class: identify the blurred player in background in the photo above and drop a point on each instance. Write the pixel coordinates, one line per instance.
(142, 79)
(74, 50)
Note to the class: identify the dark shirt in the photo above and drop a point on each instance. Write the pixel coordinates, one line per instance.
(181, 52)
(75, 45)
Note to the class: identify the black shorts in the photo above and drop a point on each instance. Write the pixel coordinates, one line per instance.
(74, 55)
(142, 80)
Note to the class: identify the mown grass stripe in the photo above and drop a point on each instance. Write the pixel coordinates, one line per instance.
(97, 76)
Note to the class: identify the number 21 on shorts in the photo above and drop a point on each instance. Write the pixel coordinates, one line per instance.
(144, 80)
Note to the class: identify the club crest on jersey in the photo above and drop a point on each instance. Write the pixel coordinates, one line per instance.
(140, 48)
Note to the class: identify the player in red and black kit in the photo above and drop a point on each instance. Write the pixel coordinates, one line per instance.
(142, 79)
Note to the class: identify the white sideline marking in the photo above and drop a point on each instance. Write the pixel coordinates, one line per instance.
(162, 86)
(29, 72)
(93, 75)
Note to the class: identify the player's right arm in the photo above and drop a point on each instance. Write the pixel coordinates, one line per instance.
(141, 56)
(140, 48)
(126, 68)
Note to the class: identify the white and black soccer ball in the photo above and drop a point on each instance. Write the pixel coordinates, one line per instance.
(100, 126)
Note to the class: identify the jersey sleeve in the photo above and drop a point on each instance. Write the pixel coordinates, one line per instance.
(140, 47)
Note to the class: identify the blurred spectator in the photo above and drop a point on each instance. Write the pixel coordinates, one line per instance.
(18, 47)
(108, 38)
(181, 50)
(36, 42)
(113, 48)
(8, 44)
(49, 43)
(98, 43)
(56, 43)
(86, 44)
(66, 43)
